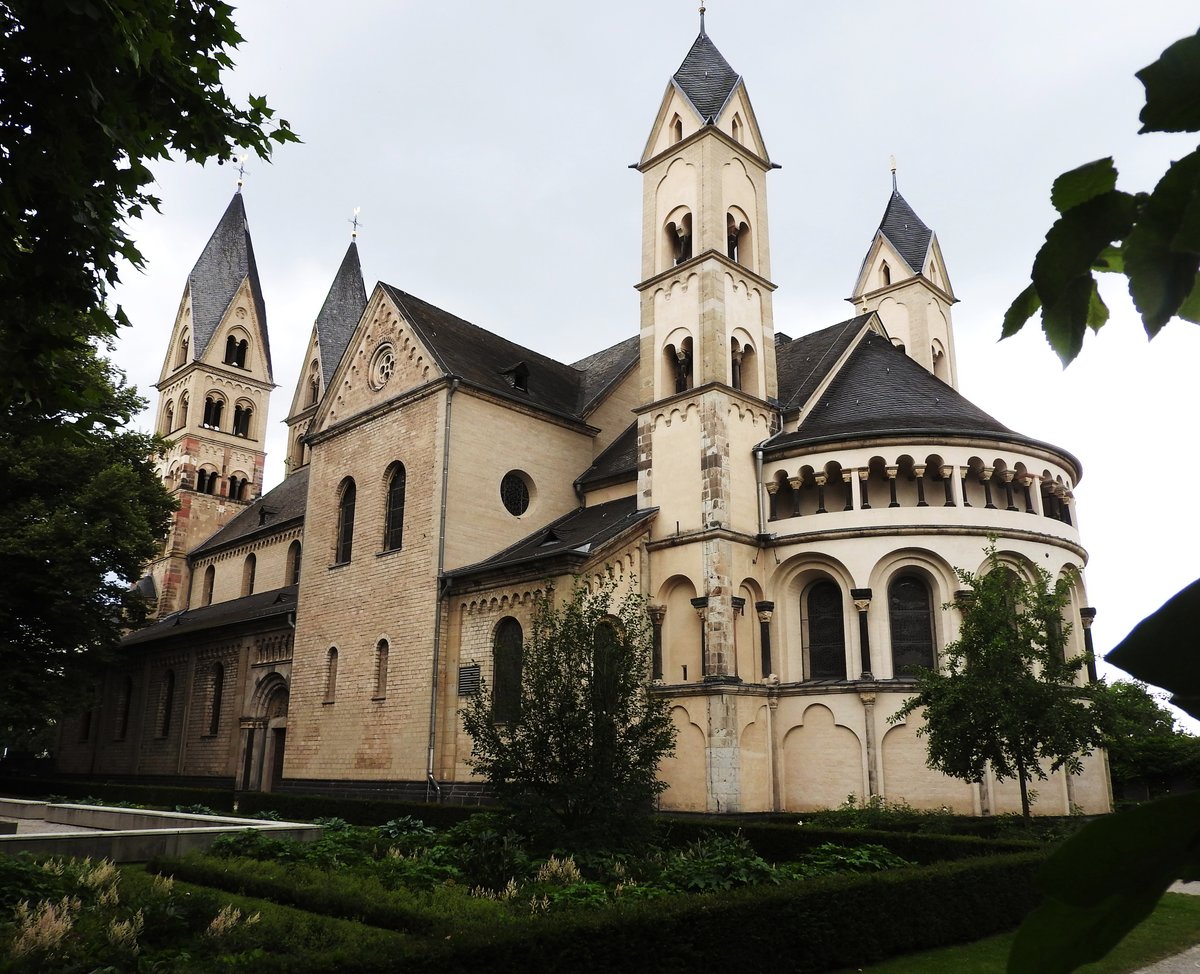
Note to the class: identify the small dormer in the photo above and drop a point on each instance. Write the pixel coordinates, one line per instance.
(517, 376)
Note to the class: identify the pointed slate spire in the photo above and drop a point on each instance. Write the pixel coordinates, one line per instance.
(706, 78)
(226, 261)
(340, 313)
(905, 230)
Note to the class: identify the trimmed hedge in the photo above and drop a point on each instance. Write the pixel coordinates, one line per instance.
(357, 811)
(163, 796)
(786, 843)
(809, 927)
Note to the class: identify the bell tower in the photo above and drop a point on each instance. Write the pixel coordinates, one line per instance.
(904, 278)
(214, 390)
(707, 364)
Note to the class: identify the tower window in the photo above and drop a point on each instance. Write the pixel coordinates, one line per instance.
(314, 387)
(885, 274)
(345, 526)
(679, 364)
(182, 357)
(676, 130)
(168, 417)
(331, 668)
(235, 352)
(737, 128)
(737, 232)
(679, 238)
(214, 406)
(183, 409)
(381, 669)
(393, 529)
(241, 419)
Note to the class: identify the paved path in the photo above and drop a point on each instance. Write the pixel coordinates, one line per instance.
(1189, 961)
(38, 826)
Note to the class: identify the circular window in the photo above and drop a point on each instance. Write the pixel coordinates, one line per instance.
(514, 492)
(383, 364)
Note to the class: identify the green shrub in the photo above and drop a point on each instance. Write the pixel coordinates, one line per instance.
(715, 863)
(828, 859)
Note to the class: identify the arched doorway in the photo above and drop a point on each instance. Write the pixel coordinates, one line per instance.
(264, 736)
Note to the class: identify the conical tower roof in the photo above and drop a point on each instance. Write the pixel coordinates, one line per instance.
(339, 314)
(906, 232)
(226, 261)
(706, 78)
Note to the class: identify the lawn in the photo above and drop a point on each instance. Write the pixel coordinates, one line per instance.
(1171, 928)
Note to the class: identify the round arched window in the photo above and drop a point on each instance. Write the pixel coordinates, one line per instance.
(514, 492)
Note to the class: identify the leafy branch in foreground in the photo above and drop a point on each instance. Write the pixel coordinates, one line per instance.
(1153, 238)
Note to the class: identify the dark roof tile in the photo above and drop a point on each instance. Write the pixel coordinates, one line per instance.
(601, 370)
(706, 78)
(226, 261)
(261, 605)
(803, 362)
(906, 232)
(618, 460)
(281, 504)
(339, 314)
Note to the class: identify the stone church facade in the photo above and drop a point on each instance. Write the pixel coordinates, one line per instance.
(793, 510)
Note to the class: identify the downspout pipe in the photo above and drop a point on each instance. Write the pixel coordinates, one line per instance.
(431, 782)
(758, 488)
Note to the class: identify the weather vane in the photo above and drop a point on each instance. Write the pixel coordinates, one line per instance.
(892, 161)
(241, 164)
(354, 224)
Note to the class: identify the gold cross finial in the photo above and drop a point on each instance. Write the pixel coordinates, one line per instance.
(353, 221)
(241, 164)
(701, 18)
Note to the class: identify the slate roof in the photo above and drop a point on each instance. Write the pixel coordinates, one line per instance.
(226, 261)
(487, 360)
(261, 605)
(706, 78)
(602, 369)
(882, 391)
(618, 460)
(283, 503)
(803, 362)
(906, 232)
(339, 314)
(579, 533)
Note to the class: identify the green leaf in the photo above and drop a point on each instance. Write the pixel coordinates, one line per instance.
(1173, 89)
(1161, 649)
(1020, 311)
(1066, 321)
(1104, 880)
(1077, 238)
(1190, 309)
(1082, 184)
(1097, 313)
(1161, 273)
(1110, 261)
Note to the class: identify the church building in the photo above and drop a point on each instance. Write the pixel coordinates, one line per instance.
(792, 508)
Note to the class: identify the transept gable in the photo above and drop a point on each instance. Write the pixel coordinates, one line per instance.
(385, 357)
(805, 364)
(238, 341)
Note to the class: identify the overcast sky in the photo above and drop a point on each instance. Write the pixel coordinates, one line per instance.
(488, 146)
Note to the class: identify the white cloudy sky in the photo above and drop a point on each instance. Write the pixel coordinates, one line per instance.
(488, 145)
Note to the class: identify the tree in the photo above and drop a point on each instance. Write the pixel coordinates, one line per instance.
(90, 93)
(1146, 749)
(1007, 697)
(579, 757)
(79, 517)
(1108, 877)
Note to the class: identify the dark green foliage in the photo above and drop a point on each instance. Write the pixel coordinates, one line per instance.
(716, 863)
(118, 794)
(829, 859)
(489, 851)
(579, 763)
(360, 811)
(1007, 698)
(1144, 743)
(196, 809)
(1153, 239)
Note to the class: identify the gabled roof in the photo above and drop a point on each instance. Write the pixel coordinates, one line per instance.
(260, 606)
(802, 363)
(339, 314)
(881, 391)
(226, 261)
(906, 232)
(579, 534)
(705, 78)
(284, 503)
(485, 359)
(616, 462)
(602, 369)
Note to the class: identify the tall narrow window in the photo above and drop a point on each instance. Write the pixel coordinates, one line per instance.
(235, 488)
(293, 563)
(214, 406)
(910, 616)
(230, 350)
(202, 481)
(241, 419)
(168, 703)
(314, 389)
(676, 129)
(239, 355)
(182, 357)
(345, 525)
(506, 671)
(206, 593)
(885, 274)
(826, 632)
(183, 409)
(331, 665)
(168, 417)
(393, 529)
(249, 566)
(124, 705)
(381, 669)
(218, 690)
